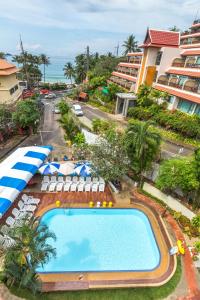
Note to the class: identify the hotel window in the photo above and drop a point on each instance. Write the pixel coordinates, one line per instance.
(197, 110)
(186, 106)
(182, 80)
(198, 61)
(158, 58)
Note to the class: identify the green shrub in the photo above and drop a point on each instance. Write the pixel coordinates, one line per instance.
(196, 221)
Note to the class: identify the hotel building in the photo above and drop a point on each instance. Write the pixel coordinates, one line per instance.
(170, 62)
(10, 91)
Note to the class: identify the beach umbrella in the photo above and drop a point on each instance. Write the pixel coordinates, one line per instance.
(83, 169)
(67, 168)
(49, 168)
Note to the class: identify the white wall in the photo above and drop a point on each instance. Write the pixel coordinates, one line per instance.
(169, 54)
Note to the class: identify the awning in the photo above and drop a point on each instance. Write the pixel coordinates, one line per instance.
(82, 95)
(17, 170)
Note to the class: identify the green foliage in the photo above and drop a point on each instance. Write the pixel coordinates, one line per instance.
(197, 246)
(70, 126)
(101, 126)
(45, 61)
(26, 114)
(29, 249)
(130, 45)
(109, 156)
(5, 115)
(196, 221)
(69, 71)
(63, 107)
(79, 139)
(177, 173)
(143, 146)
(97, 81)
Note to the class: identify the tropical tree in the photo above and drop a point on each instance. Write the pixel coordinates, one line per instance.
(26, 114)
(2, 55)
(197, 172)
(69, 71)
(109, 156)
(70, 126)
(130, 45)
(63, 107)
(27, 250)
(174, 28)
(143, 146)
(45, 61)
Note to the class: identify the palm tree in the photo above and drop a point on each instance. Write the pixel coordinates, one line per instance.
(130, 45)
(69, 125)
(45, 61)
(174, 28)
(69, 71)
(143, 145)
(26, 251)
(2, 55)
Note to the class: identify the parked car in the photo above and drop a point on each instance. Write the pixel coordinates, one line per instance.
(50, 96)
(77, 110)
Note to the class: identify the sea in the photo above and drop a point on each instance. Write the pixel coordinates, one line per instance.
(54, 71)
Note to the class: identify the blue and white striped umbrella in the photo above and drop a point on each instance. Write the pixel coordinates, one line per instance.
(49, 168)
(83, 169)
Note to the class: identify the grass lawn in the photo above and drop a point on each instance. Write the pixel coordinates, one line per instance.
(115, 294)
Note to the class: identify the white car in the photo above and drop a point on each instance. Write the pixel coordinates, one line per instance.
(77, 110)
(50, 96)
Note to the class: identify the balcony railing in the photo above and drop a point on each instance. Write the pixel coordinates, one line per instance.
(188, 65)
(175, 85)
(190, 41)
(186, 87)
(178, 64)
(193, 89)
(127, 71)
(135, 61)
(162, 81)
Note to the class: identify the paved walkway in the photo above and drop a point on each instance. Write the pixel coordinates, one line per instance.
(190, 271)
(173, 203)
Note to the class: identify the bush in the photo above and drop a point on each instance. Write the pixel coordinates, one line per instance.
(101, 126)
(196, 221)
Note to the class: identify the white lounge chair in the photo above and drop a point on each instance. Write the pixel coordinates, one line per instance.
(60, 179)
(44, 187)
(95, 180)
(52, 186)
(21, 204)
(82, 179)
(68, 179)
(87, 187)
(53, 179)
(88, 179)
(101, 180)
(16, 212)
(6, 241)
(10, 221)
(28, 208)
(101, 187)
(34, 201)
(59, 187)
(75, 179)
(45, 179)
(73, 187)
(94, 187)
(67, 186)
(81, 187)
(4, 229)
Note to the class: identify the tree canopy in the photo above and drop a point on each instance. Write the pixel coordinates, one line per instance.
(69, 71)
(130, 45)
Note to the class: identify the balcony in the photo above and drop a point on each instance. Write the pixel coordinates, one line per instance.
(127, 71)
(178, 62)
(122, 82)
(163, 79)
(135, 60)
(191, 85)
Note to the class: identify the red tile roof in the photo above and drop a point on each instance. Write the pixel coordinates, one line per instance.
(185, 71)
(82, 95)
(129, 65)
(191, 52)
(161, 38)
(7, 68)
(124, 76)
(179, 93)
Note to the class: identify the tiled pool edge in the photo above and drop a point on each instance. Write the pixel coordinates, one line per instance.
(117, 279)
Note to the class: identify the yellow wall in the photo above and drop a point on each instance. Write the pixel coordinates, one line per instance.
(151, 70)
(6, 83)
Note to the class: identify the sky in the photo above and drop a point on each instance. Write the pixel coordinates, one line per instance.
(66, 27)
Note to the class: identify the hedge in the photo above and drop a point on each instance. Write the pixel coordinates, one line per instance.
(177, 121)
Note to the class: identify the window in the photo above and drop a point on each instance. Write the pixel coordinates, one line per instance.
(182, 80)
(197, 110)
(186, 106)
(158, 58)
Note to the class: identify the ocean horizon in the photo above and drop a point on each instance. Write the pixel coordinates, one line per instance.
(54, 71)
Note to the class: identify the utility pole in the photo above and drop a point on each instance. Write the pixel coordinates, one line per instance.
(24, 59)
(87, 58)
(117, 49)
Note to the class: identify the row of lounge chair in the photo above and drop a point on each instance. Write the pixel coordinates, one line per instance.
(26, 208)
(72, 184)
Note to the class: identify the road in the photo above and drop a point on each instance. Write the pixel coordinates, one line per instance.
(169, 149)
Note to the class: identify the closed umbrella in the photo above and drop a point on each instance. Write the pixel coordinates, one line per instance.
(67, 168)
(49, 168)
(83, 169)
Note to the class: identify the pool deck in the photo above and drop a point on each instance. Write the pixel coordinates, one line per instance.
(93, 280)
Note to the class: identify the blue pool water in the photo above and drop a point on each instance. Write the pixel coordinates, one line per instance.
(101, 240)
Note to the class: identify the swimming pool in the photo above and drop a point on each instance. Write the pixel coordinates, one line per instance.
(101, 240)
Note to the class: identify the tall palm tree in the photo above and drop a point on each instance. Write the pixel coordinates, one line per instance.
(26, 251)
(69, 125)
(143, 145)
(45, 61)
(69, 71)
(174, 28)
(130, 45)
